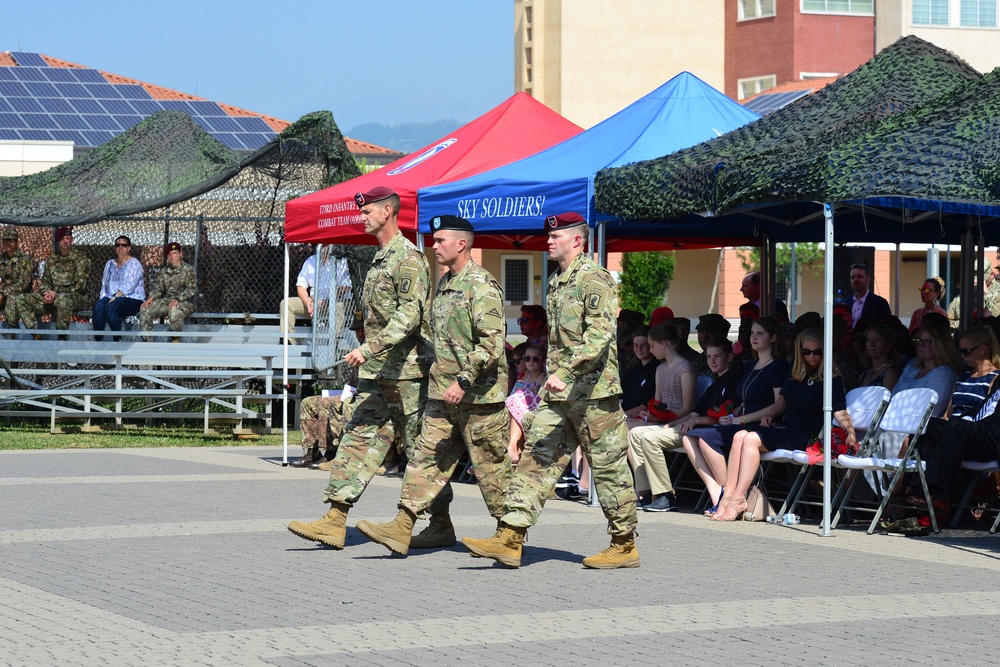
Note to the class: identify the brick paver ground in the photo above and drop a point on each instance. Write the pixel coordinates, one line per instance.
(181, 557)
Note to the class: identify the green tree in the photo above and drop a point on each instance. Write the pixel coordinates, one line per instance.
(808, 257)
(645, 278)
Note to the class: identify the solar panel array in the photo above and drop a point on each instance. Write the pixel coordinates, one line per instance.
(43, 103)
(766, 103)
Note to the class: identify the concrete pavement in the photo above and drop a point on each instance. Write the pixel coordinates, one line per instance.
(181, 557)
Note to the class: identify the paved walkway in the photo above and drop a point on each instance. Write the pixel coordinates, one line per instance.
(181, 557)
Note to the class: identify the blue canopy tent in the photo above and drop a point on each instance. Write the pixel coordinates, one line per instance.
(511, 201)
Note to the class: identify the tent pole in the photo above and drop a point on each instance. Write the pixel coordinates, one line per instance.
(980, 250)
(791, 286)
(602, 244)
(968, 280)
(544, 272)
(827, 362)
(284, 372)
(765, 273)
(899, 267)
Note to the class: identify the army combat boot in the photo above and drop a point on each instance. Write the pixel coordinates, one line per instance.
(330, 530)
(504, 547)
(307, 458)
(621, 553)
(394, 535)
(440, 534)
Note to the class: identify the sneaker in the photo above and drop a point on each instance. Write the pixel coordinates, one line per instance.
(568, 479)
(572, 492)
(665, 503)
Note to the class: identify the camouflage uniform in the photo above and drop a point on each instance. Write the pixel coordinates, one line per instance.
(16, 274)
(67, 277)
(179, 283)
(469, 330)
(392, 388)
(582, 305)
(322, 420)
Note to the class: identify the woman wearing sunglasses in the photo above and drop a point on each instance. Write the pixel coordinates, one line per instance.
(800, 406)
(935, 367)
(930, 294)
(979, 350)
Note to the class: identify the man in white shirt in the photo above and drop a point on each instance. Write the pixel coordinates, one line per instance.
(305, 303)
(866, 305)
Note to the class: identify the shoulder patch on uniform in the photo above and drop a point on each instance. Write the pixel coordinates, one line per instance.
(493, 312)
(592, 300)
(407, 281)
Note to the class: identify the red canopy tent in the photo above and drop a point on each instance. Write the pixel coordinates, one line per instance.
(519, 127)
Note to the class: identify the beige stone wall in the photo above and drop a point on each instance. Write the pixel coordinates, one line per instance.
(592, 58)
(980, 47)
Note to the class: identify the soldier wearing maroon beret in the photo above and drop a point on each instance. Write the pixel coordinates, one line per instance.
(392, 364)
(579, 406)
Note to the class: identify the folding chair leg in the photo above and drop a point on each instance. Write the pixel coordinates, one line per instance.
(965, 499)
(996, 524)
(886, 498)
(927, 494)
(796, 491)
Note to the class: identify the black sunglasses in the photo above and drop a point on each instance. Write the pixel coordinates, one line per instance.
(806, 352)
(122, 245)
(965, 351)
(535, 359)
(522, 320)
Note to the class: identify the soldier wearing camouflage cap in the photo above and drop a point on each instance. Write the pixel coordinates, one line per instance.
(579, 406)
(465, 407)
(63, 285)
(173, 293)
(16, 272)
(393, 363)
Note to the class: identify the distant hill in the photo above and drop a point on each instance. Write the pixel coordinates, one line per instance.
(405, 137)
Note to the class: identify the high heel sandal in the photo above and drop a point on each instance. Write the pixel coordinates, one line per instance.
(735, 509)
(710, 512)
(724, 503)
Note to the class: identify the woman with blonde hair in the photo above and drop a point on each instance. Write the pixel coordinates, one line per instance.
(930, 294)
(935, 366)
(981, 353)
(800, 404)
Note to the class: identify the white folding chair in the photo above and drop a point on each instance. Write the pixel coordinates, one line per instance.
(907, 415)
(866, 406)
(977, 468)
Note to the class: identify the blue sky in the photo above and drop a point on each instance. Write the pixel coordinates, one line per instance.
(390, 61)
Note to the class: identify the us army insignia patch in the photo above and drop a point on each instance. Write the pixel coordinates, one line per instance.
(593, 301)
(406, 284)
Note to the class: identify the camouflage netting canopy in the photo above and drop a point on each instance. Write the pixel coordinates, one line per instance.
(166, 179)
(783, 157)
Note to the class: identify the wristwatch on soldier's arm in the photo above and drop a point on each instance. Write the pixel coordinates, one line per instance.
(463, 383)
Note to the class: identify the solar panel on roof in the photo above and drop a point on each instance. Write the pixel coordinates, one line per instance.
(28, 74)
(102, 91)
(39, 121)
(59, 74)
(207, 109)
(6, 73)
(230, 140)
(70, 122)
(13, 89)
(4, 106)
(97, 137)
(116, 106)
(41, 89)
(102, 122)
(129, 121)
(131, 91)
(11, 120)
(223, 124)
(146, 107)
(25, 104)
(252, 124)
(8, 135)
(86, 106)
(28, 59)
(35, 135)
(88, 75)
(177, 105)
(56, 105)
(67, 135)
(202, 123)
(255, 141)
(771, 102)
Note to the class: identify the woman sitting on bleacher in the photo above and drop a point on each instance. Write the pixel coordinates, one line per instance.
(979, 350)
(934, 367)
(758, 390)
(800, 404)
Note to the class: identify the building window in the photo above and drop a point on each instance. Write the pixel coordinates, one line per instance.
(930, 12)
(516, 278)
(979, 13)
(755, 9)
(748, 87)
(860, 7)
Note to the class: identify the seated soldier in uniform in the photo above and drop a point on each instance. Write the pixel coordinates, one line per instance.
(322, 418)
(173, 293)
(62, 288)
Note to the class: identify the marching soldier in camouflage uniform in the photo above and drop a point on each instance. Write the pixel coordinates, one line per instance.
(467, 388)
(173, 293)
(579, 406)
(393, 363)
(16, 272)
(63, 284)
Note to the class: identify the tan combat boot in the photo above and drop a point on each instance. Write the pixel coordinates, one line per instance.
(330, 530)
(504, 547)
(394, 535)
(621, 553)
(440, 534)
